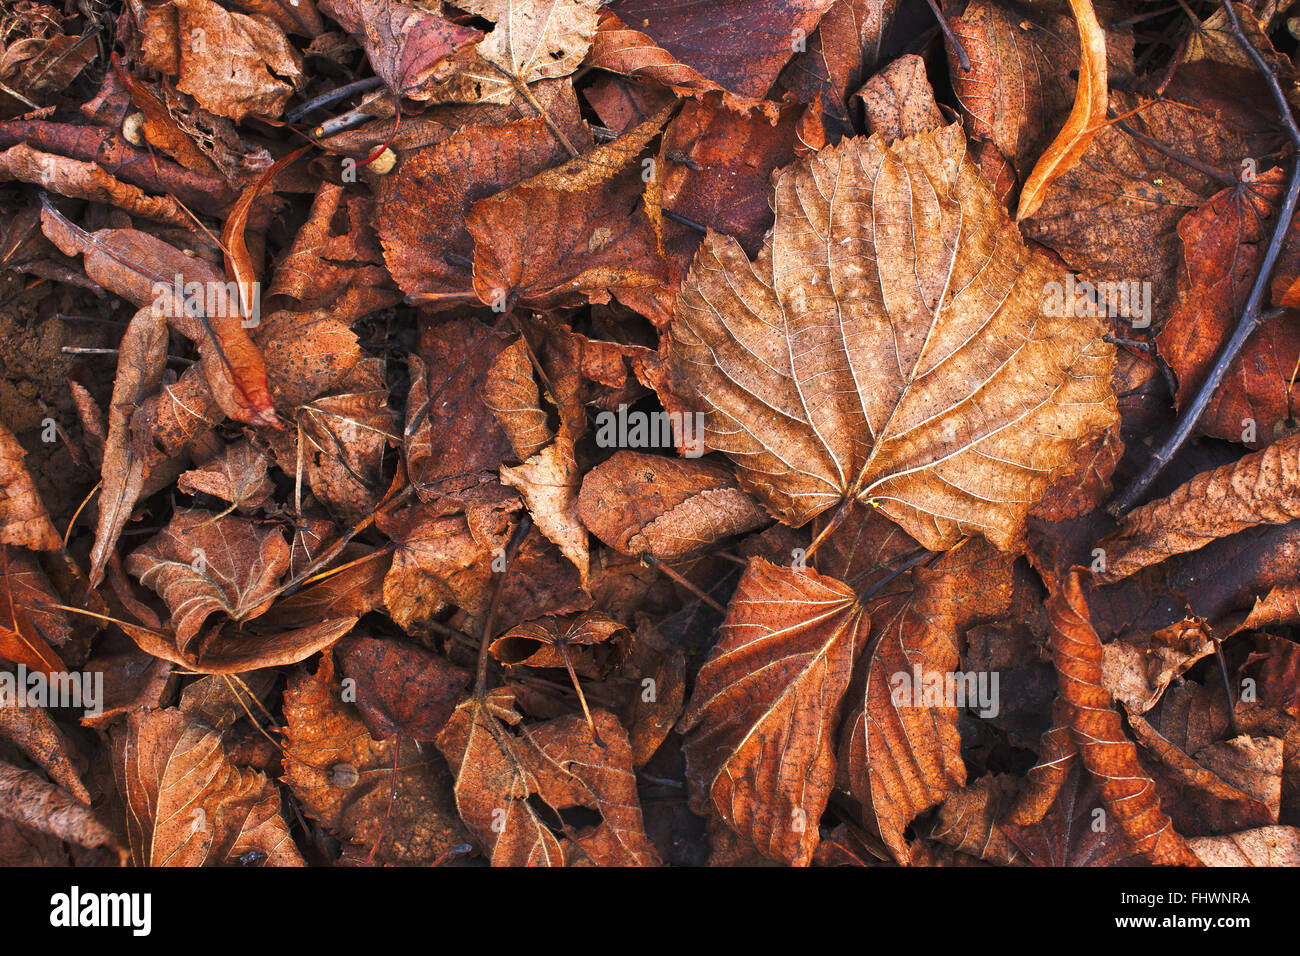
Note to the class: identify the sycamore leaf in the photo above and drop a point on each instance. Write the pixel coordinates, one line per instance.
(759, 743)
(898, 355)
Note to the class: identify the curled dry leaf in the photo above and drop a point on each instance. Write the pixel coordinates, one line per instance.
(500, 763)
(1088, 115)
(910, 757)
(981, 399)
(238, 476)
(187, 804)
(223, 650)
(1261, 488)
(510, 390)
(899, 101)
(1129, 794)
(759, 723)
(24, 522)
(1066, 833)
(546, 642)
(202, 563)
(1014, 91)
(665, 507)
(548, 482)
(142, 357)
(968, 820)
(1044, 780)
(1137, 676)
(192, 297)
(34, 732)
(27, 798)
(84, 180)
(847, 47)
(1228, 786)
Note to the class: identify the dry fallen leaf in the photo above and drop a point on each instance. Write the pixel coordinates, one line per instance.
(983, 398)
(188, 805)
(202, 563)
(1088, 114)
(758, 726)
(665, 507)
(346, 779)
(1128, 793)
(500, 763)
(24, 521)
(1261, 488)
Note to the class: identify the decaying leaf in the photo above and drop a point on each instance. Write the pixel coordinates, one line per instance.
(898, 251)
(1261, 488)
(1088, 114)
(202, 563)
(499, 763)
(665, 507)
(23, 519)
(346, 779)
(758, 741)
(1129, 794)
(188, 805)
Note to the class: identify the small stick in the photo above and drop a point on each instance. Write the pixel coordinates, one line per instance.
(77, 350)
(698, 227)
(331, 96)
(957, 48)
(649, 560)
